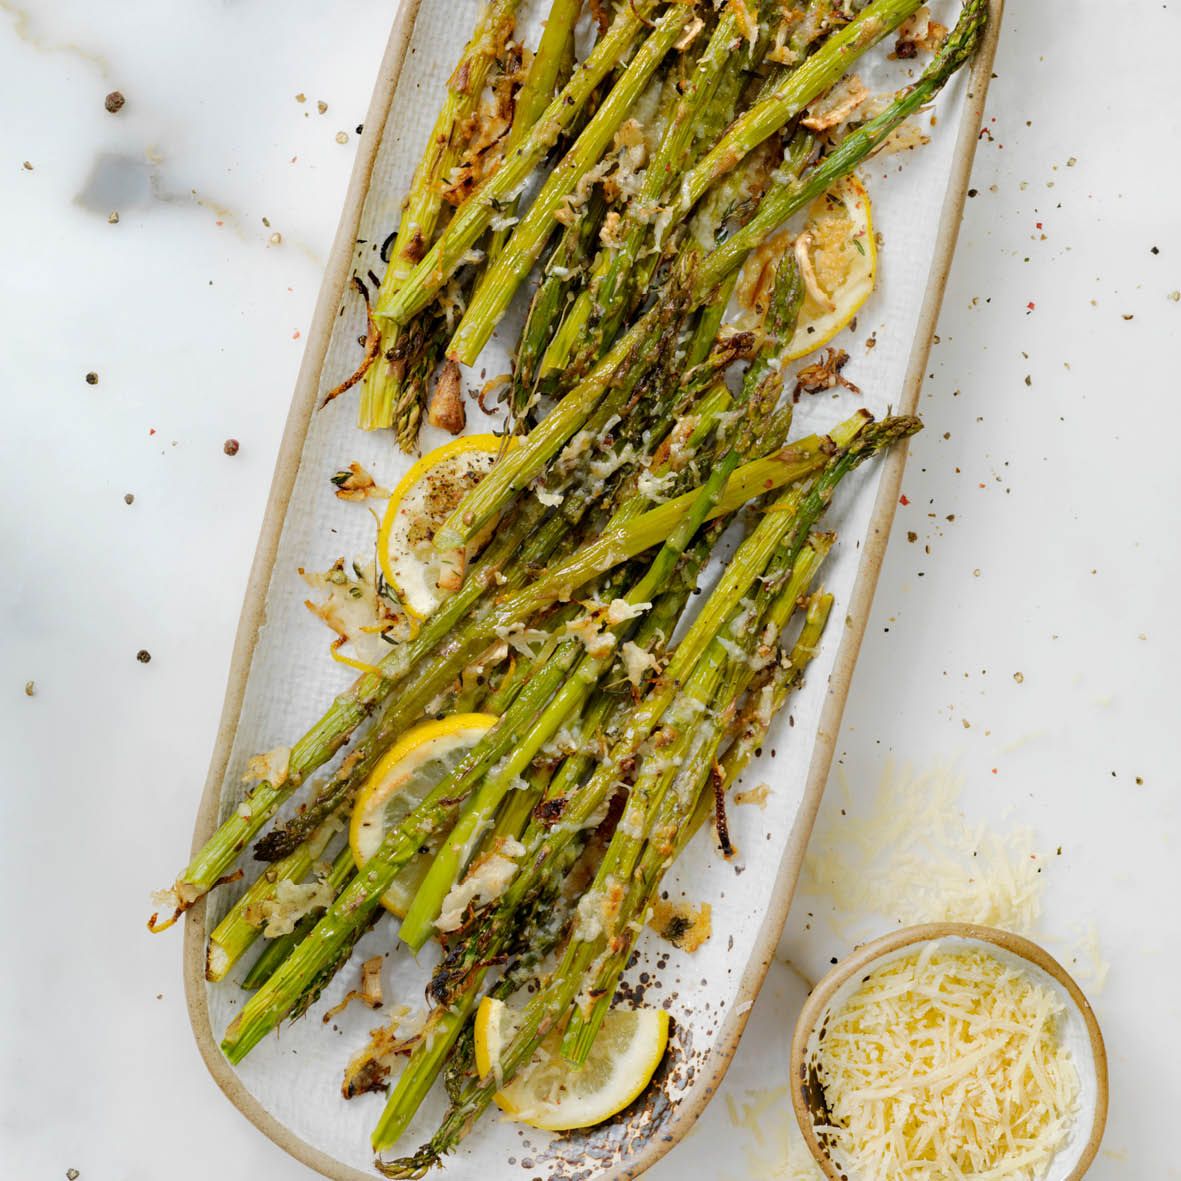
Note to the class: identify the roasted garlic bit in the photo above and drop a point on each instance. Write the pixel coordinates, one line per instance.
(446, 409)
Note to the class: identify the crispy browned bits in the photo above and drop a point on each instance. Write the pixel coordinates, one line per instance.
(230, 446)
(114, 101)
(446, 409)
(143, 656)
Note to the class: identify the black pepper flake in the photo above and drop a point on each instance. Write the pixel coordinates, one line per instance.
(92, 378)
(143, 656)
(114, 101)
(230, 446)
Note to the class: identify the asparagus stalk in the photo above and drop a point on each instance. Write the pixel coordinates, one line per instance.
(424, 203)
(476, 214)
(655, 813)
(500, 282)
(614, 268)
(785, 678)
(561, 272)
(799, 88)
(238, 930)
(279, 948)
(788, 198)
(554, 57)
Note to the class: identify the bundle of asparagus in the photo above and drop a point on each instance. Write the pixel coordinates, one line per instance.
(608, 743)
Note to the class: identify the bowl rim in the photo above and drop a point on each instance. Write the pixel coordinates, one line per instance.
(869, 953)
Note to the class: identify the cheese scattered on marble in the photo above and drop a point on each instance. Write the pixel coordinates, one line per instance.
(914, 857)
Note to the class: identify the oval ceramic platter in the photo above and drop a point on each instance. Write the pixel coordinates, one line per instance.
(281, 674)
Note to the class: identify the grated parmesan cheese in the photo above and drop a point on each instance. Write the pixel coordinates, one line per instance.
(291, 901)
(620, 611)
(487, 879)
(775, 1149)
(636, 662)
(655, 488)
(946, 1064)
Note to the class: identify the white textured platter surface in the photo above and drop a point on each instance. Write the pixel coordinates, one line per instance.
(281, 676)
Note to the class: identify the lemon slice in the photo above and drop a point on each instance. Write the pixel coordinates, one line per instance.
(552, 1094)
(839, 259)
(422, 501)
(400, 782)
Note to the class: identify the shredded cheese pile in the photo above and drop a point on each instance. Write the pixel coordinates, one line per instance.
(947, 1064)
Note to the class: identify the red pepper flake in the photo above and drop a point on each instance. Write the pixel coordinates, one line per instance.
(1029, 307)
(151, 430)
(994, 770)
(219, 223)
(295, 335)
(1038, 224)
(904, 500)
(981, 485)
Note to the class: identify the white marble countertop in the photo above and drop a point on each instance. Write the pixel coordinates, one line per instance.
(1041, 497)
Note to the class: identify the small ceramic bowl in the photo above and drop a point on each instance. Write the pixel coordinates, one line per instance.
(1080, 1032)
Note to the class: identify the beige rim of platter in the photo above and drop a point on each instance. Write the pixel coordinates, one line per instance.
(254, 610)
(865, 958)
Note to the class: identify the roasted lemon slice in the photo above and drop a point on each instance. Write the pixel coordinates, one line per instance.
(838, 260)
(422, 501)
(400, 782)
(552, 1094)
